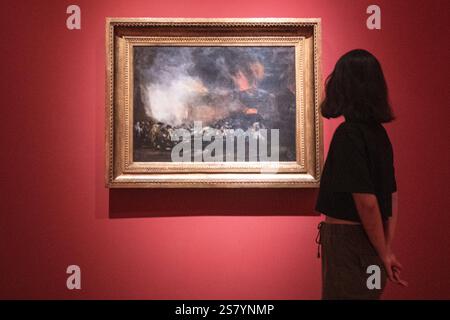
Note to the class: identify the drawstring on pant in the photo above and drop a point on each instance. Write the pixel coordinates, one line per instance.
(318, 240)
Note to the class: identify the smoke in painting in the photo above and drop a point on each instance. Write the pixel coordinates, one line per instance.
(225, 87)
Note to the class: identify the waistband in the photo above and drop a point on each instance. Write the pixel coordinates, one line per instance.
(337, 229)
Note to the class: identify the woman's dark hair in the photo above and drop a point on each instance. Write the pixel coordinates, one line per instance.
(357, 90)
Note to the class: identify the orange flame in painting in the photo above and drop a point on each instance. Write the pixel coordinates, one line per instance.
(251, 111)
(241, 81)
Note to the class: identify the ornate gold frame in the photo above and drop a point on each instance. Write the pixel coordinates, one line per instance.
(122, 34)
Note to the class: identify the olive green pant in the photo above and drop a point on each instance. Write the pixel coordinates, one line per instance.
(346, 255)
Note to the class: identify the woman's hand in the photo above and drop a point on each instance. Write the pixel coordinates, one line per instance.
(393, 269)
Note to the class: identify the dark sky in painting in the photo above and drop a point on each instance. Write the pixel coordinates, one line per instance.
(172, 82)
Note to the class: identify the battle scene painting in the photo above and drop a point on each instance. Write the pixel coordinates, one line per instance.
(225, 88)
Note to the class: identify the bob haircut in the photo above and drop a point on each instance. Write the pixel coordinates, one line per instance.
(357, 90)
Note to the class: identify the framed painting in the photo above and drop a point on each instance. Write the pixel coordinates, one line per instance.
(213, 102)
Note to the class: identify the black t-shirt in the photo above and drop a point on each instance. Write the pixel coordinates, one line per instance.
(360, 160)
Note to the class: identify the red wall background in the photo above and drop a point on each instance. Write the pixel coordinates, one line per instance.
(200, 244)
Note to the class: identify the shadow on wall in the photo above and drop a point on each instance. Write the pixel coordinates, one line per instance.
(139, 203)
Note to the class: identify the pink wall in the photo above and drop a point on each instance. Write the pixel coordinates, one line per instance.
(170, 244)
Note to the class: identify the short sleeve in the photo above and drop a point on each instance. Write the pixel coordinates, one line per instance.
(394, 181)
(350, 163)
(391, 182)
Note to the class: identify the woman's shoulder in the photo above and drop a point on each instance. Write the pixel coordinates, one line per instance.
(354, 135)
(359, 136)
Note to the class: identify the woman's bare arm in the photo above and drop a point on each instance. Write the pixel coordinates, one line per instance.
(369, 213)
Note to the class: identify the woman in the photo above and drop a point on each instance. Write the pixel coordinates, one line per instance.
(358, 188)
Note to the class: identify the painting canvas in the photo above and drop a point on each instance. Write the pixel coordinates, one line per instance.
(223, 88)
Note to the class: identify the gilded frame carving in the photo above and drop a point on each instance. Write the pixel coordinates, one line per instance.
(123, 34)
